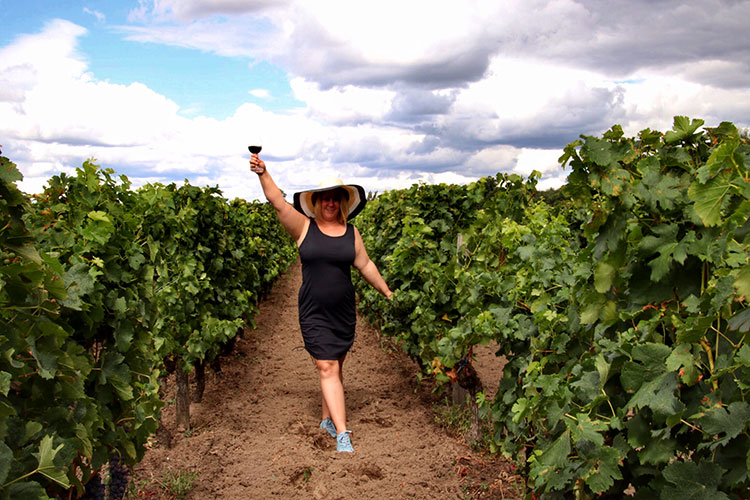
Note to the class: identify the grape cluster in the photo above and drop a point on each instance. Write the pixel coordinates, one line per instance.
(94, 489)
(119, 476)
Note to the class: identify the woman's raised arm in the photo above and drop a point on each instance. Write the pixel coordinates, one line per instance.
(294, 222)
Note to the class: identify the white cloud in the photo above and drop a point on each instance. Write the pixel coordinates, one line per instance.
(522, 99)
(260, 93)
(390, 96)
(186, 10)
(346, 104)
(100, 17)
(652, 100)
(385, 32)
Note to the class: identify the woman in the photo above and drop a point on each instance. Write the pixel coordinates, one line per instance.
(328, 247)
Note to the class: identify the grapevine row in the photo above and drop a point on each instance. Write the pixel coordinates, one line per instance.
(622, 310)
(104, 290)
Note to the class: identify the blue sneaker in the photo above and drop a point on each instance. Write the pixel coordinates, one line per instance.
(344, 442)
(327, 424)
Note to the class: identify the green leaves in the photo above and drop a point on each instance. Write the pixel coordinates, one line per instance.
(726, 423)
(47, 467)
(712, 197)
(583, 428)
(622, 312)
(83, 271)
(693, 481)
(723, 178)
(683, 129)
(742, 282)
(6, 456)
(604, 276)
(549, 469)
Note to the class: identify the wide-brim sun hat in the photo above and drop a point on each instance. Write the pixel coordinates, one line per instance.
(303, 201)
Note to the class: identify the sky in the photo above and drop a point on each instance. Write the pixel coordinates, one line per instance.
(383, 93)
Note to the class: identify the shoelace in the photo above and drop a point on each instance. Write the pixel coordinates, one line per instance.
(344, 441)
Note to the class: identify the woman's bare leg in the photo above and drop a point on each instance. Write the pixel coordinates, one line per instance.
(332, 388)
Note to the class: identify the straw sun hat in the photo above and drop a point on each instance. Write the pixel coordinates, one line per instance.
(303, 201)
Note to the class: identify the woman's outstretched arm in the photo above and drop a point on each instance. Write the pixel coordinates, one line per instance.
(294, 222)
(367, 267)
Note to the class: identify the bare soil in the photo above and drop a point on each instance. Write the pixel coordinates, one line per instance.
(255, 435)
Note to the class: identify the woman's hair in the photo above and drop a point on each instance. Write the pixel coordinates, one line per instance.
(344, 202)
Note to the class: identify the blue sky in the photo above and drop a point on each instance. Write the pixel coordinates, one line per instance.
(383, 94)
(198, 81)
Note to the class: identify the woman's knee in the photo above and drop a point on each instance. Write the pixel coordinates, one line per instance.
(327, 368)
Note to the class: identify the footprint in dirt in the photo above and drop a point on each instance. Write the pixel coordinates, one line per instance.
(323, 441)
(380, 421)
(371, 471)
(319, 438)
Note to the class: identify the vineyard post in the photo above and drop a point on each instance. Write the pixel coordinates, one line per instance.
(200, 381)
(459, 393)
(182, 398)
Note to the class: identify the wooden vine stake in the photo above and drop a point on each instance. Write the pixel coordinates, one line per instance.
(468, 383)
(182, 398)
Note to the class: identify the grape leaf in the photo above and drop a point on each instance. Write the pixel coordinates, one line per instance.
(556, 455)
(6, 456)
(742, 282)
(606, 470)
(604, 275)
(586, 429)
(658, 189)
(722, 157)
(743, 355)
(5, 379)
(693, 481)
(730, 421)
(638, 431)
(682, 128)
(659, 395)
(709, 198)
(657, 451)
(599, 151)
(28, 490)
(8, 171)
(740, 321)
(47, 467)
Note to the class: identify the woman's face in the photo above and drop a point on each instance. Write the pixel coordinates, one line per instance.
(330, 205)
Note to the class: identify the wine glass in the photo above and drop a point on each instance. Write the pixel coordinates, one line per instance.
(254, 149)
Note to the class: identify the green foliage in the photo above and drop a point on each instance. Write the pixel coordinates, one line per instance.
(413, 235)
(215, 260)
(97, 283)
(39, 362)
(623, 313)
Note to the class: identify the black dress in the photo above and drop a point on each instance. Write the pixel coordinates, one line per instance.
(327, 315)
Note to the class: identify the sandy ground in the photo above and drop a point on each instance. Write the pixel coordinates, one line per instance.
(255, 435)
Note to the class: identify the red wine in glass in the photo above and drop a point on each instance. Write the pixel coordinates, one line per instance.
(255, 149)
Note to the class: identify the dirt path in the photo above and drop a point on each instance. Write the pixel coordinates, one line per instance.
(256, 435)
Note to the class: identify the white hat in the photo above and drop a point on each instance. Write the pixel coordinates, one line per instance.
(303, 201)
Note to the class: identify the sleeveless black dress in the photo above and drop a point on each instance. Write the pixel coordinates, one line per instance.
(327, 315)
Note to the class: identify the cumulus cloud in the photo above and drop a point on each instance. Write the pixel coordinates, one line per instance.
(142, 134)
(379, 43)
(416, 105)
(392, 92)
(547, 70)
(622, 38)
